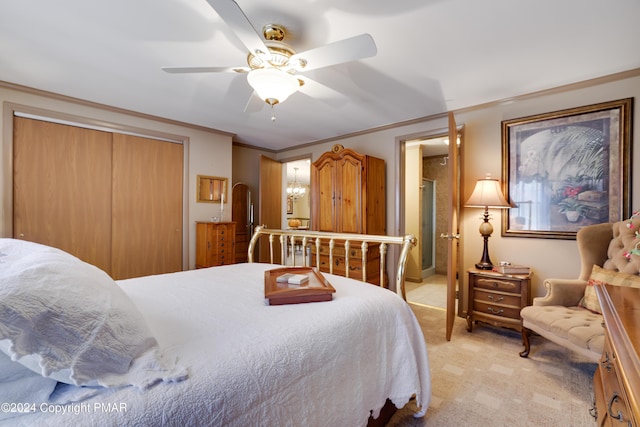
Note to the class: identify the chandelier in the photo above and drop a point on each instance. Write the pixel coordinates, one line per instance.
(295, 190)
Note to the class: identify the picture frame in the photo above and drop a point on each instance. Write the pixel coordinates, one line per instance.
(289, 205)
(211, 189)
(567, 169)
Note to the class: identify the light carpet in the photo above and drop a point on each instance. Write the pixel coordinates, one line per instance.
(478, 379)
(432, 291)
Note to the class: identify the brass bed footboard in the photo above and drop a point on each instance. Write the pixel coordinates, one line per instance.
(289, 239)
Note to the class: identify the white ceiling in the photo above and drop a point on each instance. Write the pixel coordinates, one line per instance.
(433, 56)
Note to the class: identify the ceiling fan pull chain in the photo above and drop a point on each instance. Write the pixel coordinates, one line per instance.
(273, 113)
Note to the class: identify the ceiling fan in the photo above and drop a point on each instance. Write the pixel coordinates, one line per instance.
(272, 64)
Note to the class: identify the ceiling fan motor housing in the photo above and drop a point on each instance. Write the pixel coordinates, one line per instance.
(279, 50)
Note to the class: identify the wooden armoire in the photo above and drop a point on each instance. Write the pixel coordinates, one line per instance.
(348, 196)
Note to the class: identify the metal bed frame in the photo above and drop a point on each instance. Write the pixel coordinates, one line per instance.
(288, 240)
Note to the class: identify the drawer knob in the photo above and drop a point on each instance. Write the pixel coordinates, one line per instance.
(494, 311)
(492, 298)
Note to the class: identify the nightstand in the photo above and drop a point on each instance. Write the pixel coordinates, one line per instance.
(497, 299)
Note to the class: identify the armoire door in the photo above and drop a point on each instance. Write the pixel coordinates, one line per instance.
(147, 206)
(349, 195)
(62, 188)
(323, 178)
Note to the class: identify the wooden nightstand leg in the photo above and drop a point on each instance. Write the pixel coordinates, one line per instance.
(525, 342)
(469, 323)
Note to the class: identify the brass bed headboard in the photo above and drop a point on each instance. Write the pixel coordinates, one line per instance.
(288, 239)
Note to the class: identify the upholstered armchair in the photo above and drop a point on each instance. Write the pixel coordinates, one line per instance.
(560, 315)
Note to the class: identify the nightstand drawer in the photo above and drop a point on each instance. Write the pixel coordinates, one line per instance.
(498, 284)
(497, 298)
(496, 309)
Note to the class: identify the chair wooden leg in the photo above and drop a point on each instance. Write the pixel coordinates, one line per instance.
(525, 342)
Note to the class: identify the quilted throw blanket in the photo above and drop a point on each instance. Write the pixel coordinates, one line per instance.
(315, 364)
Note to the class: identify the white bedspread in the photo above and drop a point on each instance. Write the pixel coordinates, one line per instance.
(250, 364)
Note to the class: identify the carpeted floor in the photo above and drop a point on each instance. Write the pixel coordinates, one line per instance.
(432, 291)
(478, 379)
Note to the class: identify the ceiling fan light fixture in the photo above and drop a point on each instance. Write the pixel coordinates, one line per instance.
(272, 85)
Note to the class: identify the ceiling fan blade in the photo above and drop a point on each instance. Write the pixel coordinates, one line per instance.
(319, 91)
(346, 50)
(182, 70)
(235, 18)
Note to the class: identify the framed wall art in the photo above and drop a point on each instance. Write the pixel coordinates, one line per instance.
(289, 205)
(211, 189)
(567, 169)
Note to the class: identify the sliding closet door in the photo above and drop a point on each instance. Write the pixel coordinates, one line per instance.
(62, 188)
(147, 206)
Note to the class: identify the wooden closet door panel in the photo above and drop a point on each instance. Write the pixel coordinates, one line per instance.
(62, 188)
(349, 195)
(147, 206)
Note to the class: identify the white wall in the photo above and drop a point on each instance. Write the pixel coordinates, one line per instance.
(412, 196)
(482, 153)
(208, 152)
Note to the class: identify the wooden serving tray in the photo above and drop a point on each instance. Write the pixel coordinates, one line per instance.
(315, 290)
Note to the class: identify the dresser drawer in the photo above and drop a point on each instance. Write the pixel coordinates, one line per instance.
(614, 398)
(494, 297)
(501, 310)
(498, 284)
(355, 251)
(355, 267)
(221, 246)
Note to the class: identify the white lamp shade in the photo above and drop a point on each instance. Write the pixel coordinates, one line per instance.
(487, 194)
(272, 85)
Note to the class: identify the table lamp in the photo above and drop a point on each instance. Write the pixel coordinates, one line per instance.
(487, 194)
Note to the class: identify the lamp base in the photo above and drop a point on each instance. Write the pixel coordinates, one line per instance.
(485, 230)
(484, 266)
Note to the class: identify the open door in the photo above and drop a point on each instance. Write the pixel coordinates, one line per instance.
(270, 203)
(452, 226)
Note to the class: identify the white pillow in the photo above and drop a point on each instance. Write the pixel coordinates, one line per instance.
(22, 388)
(68, 320)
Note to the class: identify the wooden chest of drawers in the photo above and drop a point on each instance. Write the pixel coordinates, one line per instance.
(616, 382)
(497, 299)
(215, 243)
(355, 262)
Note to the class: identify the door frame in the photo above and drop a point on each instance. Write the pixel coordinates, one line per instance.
(400, 189)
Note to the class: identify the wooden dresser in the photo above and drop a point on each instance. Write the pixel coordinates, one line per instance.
(616, 383)
(215, 243)
(497, 299)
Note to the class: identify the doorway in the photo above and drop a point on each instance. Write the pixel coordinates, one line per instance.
(297, 209)
(427, 237)
(427, 182)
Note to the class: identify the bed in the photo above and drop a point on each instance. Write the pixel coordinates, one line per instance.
(198, 347)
